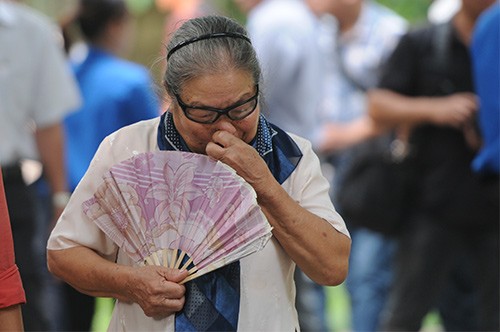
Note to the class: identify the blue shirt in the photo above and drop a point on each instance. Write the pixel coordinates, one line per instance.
(115, 93)
(485, 50)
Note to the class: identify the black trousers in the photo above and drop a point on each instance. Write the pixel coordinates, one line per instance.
(64, 308)
(426, 260)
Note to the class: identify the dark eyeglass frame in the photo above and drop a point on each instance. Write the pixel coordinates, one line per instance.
(219, 112)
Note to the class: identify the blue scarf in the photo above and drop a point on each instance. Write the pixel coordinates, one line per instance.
(212, 300)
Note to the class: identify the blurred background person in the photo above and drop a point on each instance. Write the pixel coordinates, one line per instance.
(36, 91)
(453, 230)
(292, 67)
(116, 93)
(485, 56)
(179, 11)
(358, 37)
(292, 63)
(458, 305)
(11, 287)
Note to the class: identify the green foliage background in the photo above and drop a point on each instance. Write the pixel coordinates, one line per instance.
(414, 11)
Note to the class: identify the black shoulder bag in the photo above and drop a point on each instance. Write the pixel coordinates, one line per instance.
(376, 184)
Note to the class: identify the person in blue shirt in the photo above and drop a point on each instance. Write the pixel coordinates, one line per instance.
(485, 51)
(115, 93)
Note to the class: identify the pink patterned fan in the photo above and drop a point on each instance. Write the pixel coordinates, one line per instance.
(159, 207)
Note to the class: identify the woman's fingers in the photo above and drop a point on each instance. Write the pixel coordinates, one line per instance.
(157, 291)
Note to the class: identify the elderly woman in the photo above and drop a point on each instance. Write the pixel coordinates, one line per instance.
(213, 78)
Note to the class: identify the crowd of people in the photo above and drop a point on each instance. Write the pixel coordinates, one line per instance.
(285, 105)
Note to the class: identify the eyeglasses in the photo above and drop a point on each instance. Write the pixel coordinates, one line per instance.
(207, 115)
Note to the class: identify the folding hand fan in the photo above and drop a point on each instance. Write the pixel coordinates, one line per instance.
(160, 207)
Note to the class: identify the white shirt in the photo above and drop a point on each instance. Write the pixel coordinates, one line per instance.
(267, 286)
(36, 84)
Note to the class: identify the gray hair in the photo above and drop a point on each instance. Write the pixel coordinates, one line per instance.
(208, 56)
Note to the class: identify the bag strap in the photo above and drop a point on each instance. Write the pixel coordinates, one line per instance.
(441, 43)
(343, 67)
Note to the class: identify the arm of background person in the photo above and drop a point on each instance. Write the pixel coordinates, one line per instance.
(336, 136)
(390, 108)
(154, 288)
(56, 93)
(50, 142)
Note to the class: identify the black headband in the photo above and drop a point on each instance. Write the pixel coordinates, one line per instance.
(207, 36)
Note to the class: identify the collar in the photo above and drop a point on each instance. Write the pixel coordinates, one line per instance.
(262, 142)
(275, 146)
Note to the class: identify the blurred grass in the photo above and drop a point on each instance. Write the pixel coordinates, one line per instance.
(102, 315)
(338, 308)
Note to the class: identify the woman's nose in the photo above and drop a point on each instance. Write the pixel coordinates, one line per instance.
(224, 123)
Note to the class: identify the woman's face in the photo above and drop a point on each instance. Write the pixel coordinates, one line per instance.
(218, 91)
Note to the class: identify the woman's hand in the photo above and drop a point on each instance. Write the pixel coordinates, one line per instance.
(156, 290)
(318, 249)
(243, 158)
